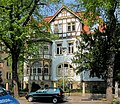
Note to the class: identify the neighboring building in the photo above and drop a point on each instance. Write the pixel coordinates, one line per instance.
(5, 72)
(38, 69)
(67, 24)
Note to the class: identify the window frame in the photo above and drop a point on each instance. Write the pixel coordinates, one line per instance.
(68, 70)
(46, 69)
(71, 26)
(59, 48)
(70, 47)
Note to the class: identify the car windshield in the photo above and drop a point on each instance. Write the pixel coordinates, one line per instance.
(2, 92)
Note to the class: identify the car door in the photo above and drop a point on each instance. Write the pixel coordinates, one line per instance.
(49, 93)
(38, 94)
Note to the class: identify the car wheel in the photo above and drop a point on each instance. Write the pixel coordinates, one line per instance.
(54, 100)
(30, 99)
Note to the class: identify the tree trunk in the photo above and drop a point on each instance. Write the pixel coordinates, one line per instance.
(109, 92)
(111, 51)
(15, 80)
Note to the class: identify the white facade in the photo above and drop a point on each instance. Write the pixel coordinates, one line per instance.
(68, 26)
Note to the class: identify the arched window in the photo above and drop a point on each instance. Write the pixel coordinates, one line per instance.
(46, 72)
(40, 69)
(67, 70)
(36, 68)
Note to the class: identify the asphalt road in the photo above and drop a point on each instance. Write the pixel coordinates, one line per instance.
(70, 100)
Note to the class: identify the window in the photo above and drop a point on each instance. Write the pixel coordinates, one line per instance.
(71, 26)
(28, 69)
(77, 43)
(8, 75)
(46, 70)
(64, 13)
(58, 28)
(46, 49)
(70, 73)
(36, 68)
(67, 70)
(59, 72)
(70, 48)
(40, 71)
(59, 49)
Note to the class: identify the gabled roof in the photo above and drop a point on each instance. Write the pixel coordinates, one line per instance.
(50, 18)
(78, 15)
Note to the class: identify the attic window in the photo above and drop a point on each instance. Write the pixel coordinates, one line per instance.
(71, 27)
(58, 28)
(64, 13)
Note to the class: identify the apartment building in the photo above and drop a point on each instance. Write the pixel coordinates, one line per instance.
(5, 72)
(58, 69)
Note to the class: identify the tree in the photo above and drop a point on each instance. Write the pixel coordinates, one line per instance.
(102, 45)
(18, 23)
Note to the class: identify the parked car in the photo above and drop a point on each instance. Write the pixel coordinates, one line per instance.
(6, 98)
(51, 94)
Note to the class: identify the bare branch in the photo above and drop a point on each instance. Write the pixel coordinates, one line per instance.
(31, 12)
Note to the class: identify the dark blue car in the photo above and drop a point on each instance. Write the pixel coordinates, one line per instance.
(50, 94)
(6, 98)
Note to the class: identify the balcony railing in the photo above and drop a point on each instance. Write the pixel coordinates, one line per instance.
(39, 77)
(40, 56)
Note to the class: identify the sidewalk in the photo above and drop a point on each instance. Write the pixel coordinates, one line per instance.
(22, 100)
(84, 100)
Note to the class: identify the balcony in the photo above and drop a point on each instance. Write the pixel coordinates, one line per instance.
(39, 77)
(41, 56)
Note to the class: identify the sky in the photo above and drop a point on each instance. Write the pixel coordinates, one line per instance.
(69, 1)
(51, 10)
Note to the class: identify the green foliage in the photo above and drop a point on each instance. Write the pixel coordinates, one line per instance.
(94, 49)
(92, 54)
(19, 24)
(96, 8)
(104, 47)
